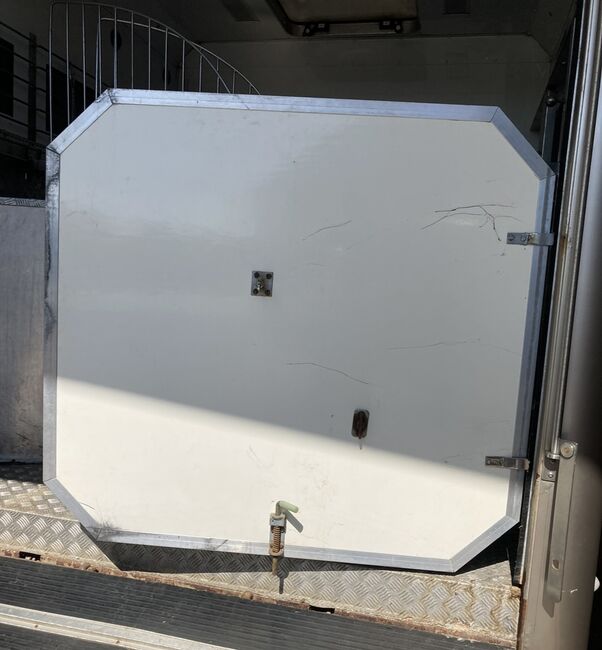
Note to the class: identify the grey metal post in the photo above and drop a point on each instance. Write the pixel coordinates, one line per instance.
(32, 89)
(571, 401)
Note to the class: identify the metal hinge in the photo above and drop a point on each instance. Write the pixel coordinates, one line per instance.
(508, 462)
(530, 238)
(560, 519)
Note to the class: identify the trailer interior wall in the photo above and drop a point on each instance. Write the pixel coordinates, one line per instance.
(509, 70)
(506, 71)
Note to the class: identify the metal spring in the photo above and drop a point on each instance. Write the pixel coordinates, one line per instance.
(276, 539)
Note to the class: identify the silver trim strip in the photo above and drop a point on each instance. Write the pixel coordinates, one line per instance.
(69, 502)
(521, 145)
(318, 105)
(50, 315)
(98, 631)
(305, 105)
(308, 553)
(254, 548)
(81, 123)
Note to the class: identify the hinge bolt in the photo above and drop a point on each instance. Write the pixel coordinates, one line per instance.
(567, 450)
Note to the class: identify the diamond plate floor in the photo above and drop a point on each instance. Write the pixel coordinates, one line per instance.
(477, 603)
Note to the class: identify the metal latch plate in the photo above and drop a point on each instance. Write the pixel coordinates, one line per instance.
(507, 462)
(530, 238)
(262, 283)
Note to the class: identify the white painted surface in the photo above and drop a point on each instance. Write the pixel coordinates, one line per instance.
(187, 407)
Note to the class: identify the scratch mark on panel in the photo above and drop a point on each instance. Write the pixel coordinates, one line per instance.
(434, 345)
(251, 453)
(484, 212)
(499, 347)
(318, 365)
(453, 343)
(319, 230)
(218, 546)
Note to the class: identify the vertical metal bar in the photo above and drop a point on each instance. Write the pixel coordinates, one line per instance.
(131, 49)
(67, 63)
(183, 63)
(84, 80)
(149, 53)
(49, 88)
(217, 74)
(115, 47)
(571, 373)
(99, 51)
(96, 59)
(570, 225)
(32, 115)
(233, 90)
(165, 63)
(552, 114)
(560, 521)
(200, 71)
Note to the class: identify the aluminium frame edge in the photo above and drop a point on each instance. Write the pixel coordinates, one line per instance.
(457, 112)
(113, 535)
(50, 316)
(81, 123)
(521, 145)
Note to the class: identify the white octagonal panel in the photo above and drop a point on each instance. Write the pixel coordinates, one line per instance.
(180, 407)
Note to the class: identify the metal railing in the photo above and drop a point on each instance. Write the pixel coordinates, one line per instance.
(93, 47)
(103, 46)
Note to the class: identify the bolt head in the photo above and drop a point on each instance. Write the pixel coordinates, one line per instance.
(567, 450)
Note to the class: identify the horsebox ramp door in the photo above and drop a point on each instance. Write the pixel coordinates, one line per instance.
(300, 326)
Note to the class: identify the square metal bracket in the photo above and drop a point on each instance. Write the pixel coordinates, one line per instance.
(530, 238)
(507, 462)
(262, 283)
